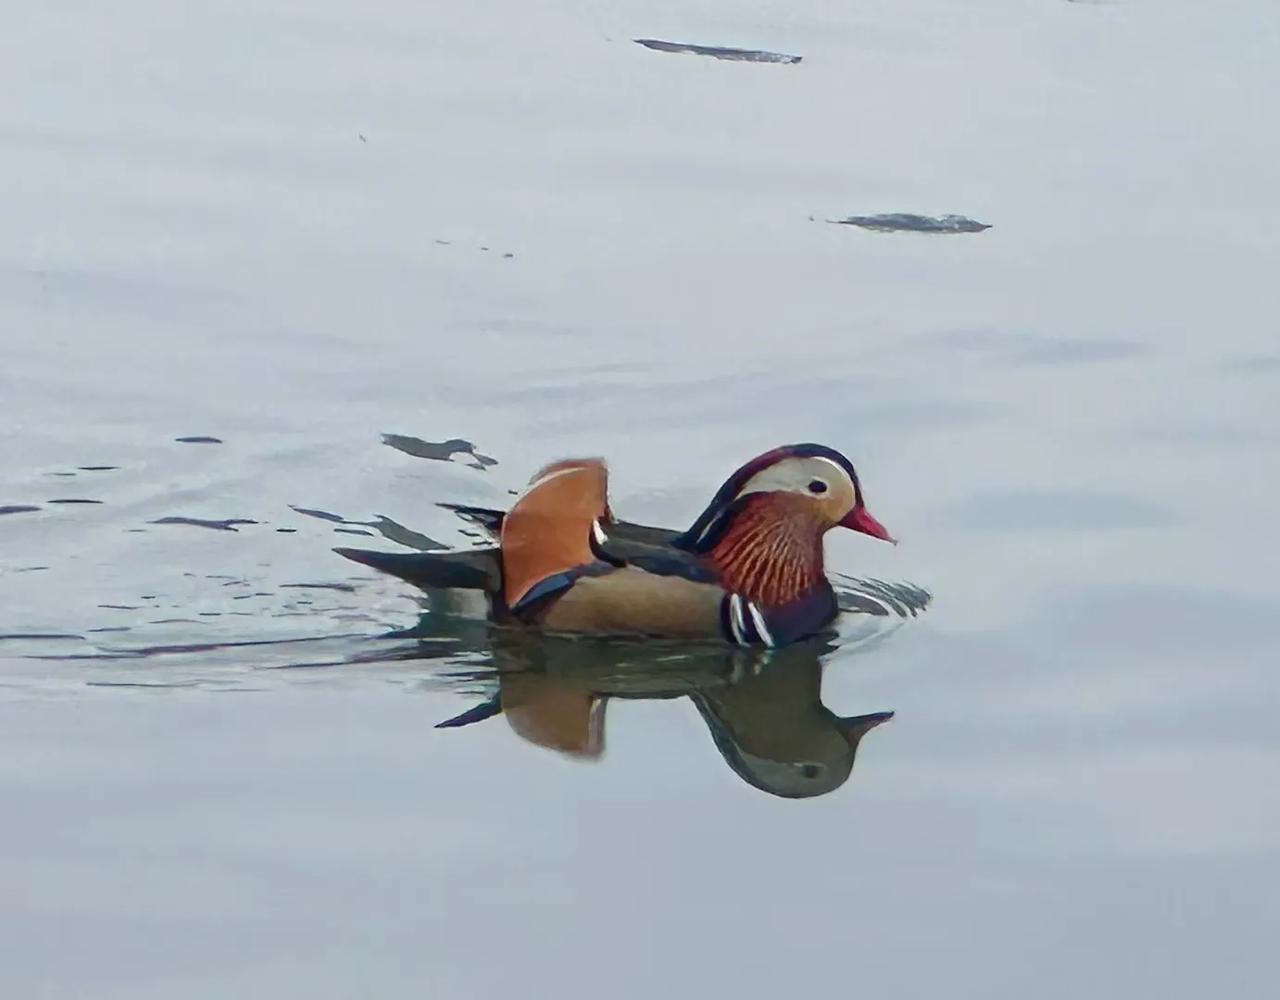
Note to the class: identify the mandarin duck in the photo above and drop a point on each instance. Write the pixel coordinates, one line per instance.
(748, 571)
(763, 708)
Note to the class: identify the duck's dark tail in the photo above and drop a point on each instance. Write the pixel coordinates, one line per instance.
(474, 570)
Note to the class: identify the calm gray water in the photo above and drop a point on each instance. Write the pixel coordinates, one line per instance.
(295, 227)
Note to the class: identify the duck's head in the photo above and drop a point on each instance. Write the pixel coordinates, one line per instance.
(801, 483)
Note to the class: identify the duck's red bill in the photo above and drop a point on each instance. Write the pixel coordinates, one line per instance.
(860, 519)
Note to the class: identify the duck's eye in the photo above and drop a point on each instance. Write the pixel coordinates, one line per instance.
(817, 486)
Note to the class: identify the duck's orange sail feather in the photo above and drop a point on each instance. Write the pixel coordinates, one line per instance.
(550, 528)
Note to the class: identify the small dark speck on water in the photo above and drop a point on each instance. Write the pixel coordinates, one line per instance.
(198, 439)
(75, 501)
(286, 531)
(905, 222)
(719, 52)
(98, 468)
(507, 256)
(362, 138)
(17, 508)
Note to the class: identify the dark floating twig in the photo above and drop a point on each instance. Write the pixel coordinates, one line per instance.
(224, 524)
(439, 451)
(16, 508)
(397, 532)
(74, 500)
(323, 515)
(98, 468)
(39, 635)
(719, 52)
(199, 439)
(905, 222)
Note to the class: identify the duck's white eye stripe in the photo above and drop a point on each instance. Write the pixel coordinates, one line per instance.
(598, 534)
(761, 628)
(735, 620)
(833, 463)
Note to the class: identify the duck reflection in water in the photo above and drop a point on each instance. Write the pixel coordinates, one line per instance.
(763, 707)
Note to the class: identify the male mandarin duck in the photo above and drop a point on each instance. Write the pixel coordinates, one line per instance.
(749, 570)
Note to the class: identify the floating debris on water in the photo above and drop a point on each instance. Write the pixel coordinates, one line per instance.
(16, 508)
(323, 515)
(719, 52)
(438, 451)
(396, 532)
(199, 439)
(223, 524)
(382, 524)
(17, 636)
(75, 500)
(905, 222)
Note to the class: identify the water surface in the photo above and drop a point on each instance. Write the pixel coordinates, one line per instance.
(244, 242)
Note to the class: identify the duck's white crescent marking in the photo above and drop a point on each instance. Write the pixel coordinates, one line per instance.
(735, 619)
(761, 627)
(598, 534)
